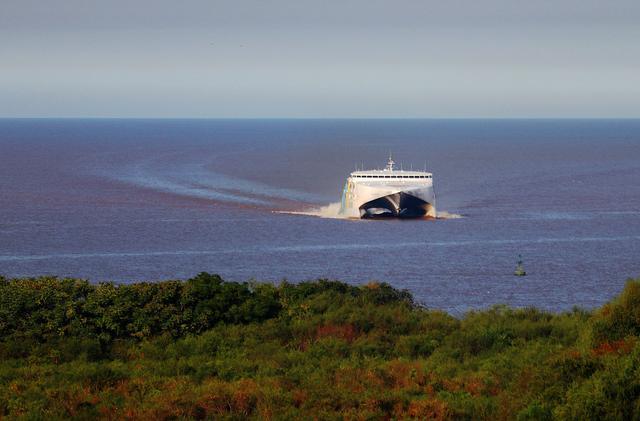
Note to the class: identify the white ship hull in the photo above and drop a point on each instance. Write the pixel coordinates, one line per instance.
(389, 193)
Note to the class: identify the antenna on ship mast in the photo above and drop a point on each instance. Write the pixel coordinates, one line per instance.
(390, 163)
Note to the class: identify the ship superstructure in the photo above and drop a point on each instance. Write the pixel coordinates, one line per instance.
(389, 193)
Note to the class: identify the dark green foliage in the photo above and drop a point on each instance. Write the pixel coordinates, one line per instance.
(206, 348)
(45, 309)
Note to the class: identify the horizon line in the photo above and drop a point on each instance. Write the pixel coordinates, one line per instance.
(304, 118)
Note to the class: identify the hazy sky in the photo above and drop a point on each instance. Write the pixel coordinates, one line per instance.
(302, 58)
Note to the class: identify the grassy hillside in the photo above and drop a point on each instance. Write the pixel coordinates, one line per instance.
(206, 348)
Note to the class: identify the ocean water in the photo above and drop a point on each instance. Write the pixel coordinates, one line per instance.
(128, 200)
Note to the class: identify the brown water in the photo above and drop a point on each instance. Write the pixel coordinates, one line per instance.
(129, 200)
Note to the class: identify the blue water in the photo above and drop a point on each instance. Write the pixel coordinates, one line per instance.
(129, 200)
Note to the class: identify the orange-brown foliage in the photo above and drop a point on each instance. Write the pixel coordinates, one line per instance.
(451, 385)
(574, 354)
(474, 386)
(299, 397)
(621, 347)
(245, 397)
(431, 409)
(405, 374)
(352, 379)
(347, 332)
(215, 398)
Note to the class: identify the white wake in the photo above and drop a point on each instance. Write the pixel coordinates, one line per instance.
(448, 215)
(332, 210)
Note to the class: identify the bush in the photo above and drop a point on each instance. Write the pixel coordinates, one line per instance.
(207, 348)
(619, 318)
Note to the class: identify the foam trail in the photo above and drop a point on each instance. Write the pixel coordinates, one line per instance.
(332, 210)
(197, 172)
(448, 215)
(194, 180)
(166, 185)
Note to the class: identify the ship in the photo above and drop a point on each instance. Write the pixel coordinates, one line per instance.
(389, 193)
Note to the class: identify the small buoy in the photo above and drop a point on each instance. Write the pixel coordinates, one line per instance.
(520, 268)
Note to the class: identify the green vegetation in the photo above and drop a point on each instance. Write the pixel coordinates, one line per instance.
(206, 348)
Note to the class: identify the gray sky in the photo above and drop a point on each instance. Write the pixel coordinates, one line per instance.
(302, 58)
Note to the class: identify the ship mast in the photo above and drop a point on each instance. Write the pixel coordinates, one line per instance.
(390, 164)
